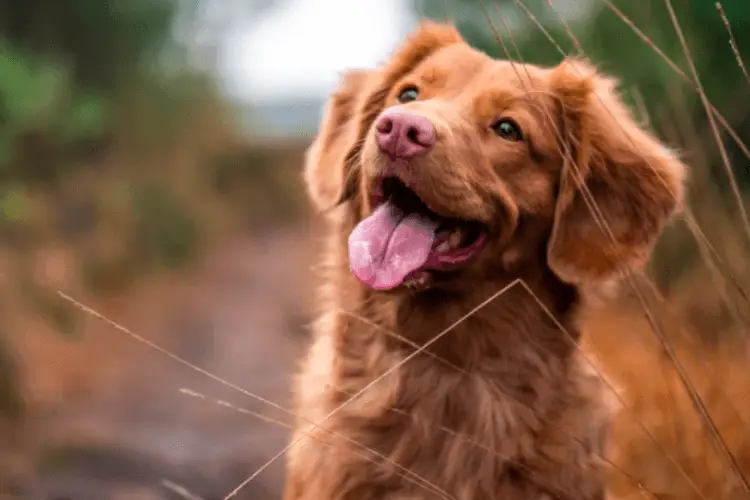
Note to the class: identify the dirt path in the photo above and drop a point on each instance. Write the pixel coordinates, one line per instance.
(136, 433)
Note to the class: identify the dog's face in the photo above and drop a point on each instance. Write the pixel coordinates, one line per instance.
(447, 158)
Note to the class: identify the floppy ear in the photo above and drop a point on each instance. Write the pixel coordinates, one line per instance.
(612, 166)
(328, 170)
(332, 161)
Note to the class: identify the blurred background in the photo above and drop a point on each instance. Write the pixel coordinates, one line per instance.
(150, 155)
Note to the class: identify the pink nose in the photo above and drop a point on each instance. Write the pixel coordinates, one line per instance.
(404, 135)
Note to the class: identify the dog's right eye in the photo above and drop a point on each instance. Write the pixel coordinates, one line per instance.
(408, 94)
(508, 130)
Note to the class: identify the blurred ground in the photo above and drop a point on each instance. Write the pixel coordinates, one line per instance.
(123, 427)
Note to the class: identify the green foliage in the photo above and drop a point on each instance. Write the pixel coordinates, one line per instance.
(62, 64)
(39, 100)
(99, 41)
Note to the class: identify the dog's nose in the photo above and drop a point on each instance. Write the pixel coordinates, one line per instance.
(401, 134)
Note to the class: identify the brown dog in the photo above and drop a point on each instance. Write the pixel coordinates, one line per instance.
(446, 176)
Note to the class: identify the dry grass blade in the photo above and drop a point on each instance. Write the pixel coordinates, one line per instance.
(565, 24)
(405, 340)
(736, 138)
(640, 104)
(732, 41)
(601, 222)
(226, 404)
(682, 374)
(743, 213)
(371, 384)
(378, 379)
(693, 395)
(506, 393)
(539, 25)
(234, 492)
(693, 225)
(725, 271)
(180, 490)
(719, 276)
(717, 135)
(263, 467)
(169, 354)
(671, 64)
(235, 387)
(244, 411)
(614, 391)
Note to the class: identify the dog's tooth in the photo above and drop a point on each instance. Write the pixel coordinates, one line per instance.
(455, 238)
(443, 247)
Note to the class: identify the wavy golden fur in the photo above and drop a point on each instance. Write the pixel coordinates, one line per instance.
(503, 405)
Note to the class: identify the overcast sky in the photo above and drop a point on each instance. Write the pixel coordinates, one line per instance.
(300, 48)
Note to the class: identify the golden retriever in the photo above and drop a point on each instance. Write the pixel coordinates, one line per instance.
(444, 176)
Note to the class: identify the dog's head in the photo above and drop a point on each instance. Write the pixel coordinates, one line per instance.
(456, 165)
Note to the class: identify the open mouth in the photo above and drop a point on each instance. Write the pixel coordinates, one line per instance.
(403, 240)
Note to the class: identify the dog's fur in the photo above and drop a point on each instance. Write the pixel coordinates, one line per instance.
(511, 410)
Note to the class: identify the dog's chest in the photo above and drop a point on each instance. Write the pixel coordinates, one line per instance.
(456, 426)
(473, 433)
(429, 412)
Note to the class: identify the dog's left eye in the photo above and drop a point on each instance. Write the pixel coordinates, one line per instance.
(408, 94)
(508, 130)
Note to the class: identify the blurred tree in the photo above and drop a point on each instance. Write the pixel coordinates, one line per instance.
(61, 64)
(98, 40)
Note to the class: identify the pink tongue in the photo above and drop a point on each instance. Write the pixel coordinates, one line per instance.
(387, 246)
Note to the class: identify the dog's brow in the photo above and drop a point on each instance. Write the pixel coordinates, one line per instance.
(495, 100)
(499, 97)
(432, 74)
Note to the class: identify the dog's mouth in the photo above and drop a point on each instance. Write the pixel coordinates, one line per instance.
(403, 241)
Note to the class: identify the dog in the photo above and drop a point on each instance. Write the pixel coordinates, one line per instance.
(469, 203)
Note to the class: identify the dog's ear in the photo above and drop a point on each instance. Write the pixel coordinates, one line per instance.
(619, 184)
(328, 167)
(332, 161)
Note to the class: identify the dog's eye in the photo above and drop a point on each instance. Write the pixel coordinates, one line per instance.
(508, 130)
(408, 94)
